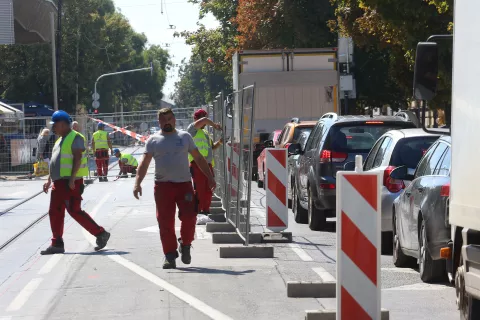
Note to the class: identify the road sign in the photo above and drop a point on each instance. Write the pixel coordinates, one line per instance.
(151, 68)
(276, 187)
(96, 104)
(358, 244)
(95, 96)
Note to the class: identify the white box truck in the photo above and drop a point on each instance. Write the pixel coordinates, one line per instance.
(296, 83)
(463, 214)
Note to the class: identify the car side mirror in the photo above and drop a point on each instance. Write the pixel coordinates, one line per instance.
(400, 173)
(294, 149)
(426, 71)
(268, 143)
(349, 166)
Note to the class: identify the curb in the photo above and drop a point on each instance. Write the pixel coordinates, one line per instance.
(218, 217)
(234, 238)
(332, 314)
(246, 252)
(300, 289)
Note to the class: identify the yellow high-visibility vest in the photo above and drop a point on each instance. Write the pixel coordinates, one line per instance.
(100, 138)
(131, 161)
(66, 156)
(204, 144)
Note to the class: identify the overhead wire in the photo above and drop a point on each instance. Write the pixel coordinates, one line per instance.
(101, 48)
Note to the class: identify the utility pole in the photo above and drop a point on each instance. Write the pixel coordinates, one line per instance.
(59, 42)
(78, 52)
(54, 62)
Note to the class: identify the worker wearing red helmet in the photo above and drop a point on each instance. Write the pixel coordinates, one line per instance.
(205, 145)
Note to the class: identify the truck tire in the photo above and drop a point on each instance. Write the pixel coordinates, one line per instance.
(400, 260)
(387, 242)
(430, 270)
(316, 218)
(469, 307)
(299, 213)
(259, 183)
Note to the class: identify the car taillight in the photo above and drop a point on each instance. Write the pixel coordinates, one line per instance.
(332, 156)
(445, 190)
(327, 186)
(391, 184)
(287, 145)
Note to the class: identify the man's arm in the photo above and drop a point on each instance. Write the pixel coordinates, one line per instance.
(202, 163)
(143, 167)
(217, 144)
(93, 145)
(77, 158)
(205, 122)
(109, 143)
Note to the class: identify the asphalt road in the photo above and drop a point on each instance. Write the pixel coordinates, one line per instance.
(126, 280)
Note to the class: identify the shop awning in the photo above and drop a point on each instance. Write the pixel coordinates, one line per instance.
(9, 113)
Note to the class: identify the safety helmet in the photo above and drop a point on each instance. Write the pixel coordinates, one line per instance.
(60, 115)
(101, 125)
(116, 150)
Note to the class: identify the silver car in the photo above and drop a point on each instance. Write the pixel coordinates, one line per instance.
(395, 148)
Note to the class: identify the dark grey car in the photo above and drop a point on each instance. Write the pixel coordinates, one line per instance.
(334, 141)
(420, 219)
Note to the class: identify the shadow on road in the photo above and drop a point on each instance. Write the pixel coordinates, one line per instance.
(107, 252)
(214, 271)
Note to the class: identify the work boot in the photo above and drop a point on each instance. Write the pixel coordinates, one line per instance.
(53, 250)
(185, 252)
(170, 262)
(101, 179)
(102, 240)
(105, 179)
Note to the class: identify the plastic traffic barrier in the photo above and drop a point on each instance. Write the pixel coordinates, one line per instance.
(276, 189)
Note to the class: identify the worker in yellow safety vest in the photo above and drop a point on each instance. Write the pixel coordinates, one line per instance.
(205, 145)
(68, 166)
(100, 144)
(127, 164)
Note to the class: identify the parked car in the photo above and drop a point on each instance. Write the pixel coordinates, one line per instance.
(420, 213)
(292, 131)
(394, 149)
(334, 141)
(260, 163)
(292, 165)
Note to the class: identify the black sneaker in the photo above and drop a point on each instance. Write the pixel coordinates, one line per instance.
(170, 262)
(102, 240)
(52, 250)
(101, 179)
(185, 252)
(105, 179)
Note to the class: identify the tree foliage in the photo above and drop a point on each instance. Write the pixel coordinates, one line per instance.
(105, 43)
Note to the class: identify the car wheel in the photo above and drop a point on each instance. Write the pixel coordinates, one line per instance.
(259, 183)
(299, 213)
(400, 260)
(316, 218)
(263, 183)
(430, 270)
(387, 242)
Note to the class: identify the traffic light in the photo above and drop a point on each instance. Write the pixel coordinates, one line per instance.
(96, 111)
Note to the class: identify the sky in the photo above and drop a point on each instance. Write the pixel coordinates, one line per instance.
(146, 17)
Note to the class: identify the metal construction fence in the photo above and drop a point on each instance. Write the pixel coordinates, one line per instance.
(233, 162)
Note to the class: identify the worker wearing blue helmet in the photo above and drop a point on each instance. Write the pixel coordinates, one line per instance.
(68, 166)
(127, 163)
(100, 144)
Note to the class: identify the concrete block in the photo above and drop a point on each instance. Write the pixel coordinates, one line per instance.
(216, 204)
(217, 210)
(332, 314)
(300, 289)
(88, 181)
(233, 237)
(246, 252)
(277, 237)
(220, 227)
(215, 198)
(218, 217)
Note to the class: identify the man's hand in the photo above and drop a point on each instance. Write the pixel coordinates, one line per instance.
(218, 126)
(111, 152)
(211, 183)
(46, 185)
(71, 183)
(137, 190)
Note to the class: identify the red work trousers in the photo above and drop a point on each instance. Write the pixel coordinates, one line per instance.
(203, 193)
(102, 159)
(61, 198)
(168, 195)
(125, 168)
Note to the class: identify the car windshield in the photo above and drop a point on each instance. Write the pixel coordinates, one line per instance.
(299, 131)
(360, 138)
(408, 152)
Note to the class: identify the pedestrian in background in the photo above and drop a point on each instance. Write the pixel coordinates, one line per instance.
(76, 126)
(205, 145)
(173, 185)
(100, 144)
(45, 143)
(68, 166)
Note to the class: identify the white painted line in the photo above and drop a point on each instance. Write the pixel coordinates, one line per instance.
(100, 204)
(24, 295)
(324, 274)
(300, 252)
(400, 270)
(6, 318)
(420, 287)
(192, 301)
(47, 267)
(153, 229)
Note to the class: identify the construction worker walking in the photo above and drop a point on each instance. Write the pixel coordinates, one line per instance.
(127, 164)
(100, 144)
(205, 145)
(68, 166)
(173, 185)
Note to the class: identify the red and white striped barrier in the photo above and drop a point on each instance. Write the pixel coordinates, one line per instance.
(358, 244)
(233, 161)
(132, 134)
(276, 189)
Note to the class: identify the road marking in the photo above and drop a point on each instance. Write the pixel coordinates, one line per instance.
(47, 267)
(300, 252)
(324, 274)
(153, 229)
(23, 295)
(6, 318)
(400, 270)
(420, 287)
(100, 204)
